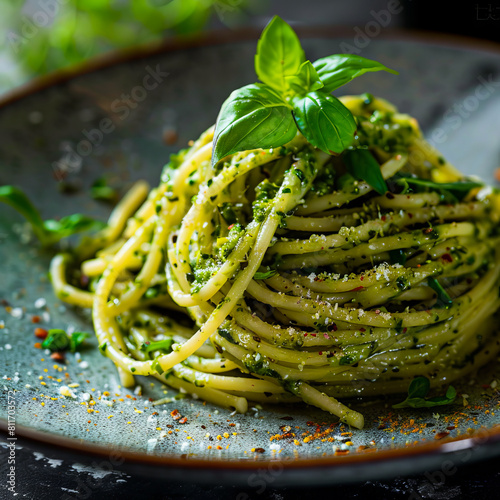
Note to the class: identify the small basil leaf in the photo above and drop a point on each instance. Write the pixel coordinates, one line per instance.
(306, 80)
(324, 121)
(18, 200)
(279, 54)
(361, 164)
(419, 387)
(338, 69)
(252, 117)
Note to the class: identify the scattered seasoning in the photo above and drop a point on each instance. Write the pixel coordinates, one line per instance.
(497, 174)
(41, 333)
(441, 435)
(58, 356)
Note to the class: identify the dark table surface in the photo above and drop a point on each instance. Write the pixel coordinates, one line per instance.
(41, 476)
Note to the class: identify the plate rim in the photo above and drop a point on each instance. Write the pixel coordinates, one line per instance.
(220, 37)
(482, 437)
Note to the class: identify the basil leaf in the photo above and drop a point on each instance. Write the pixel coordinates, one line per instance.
(418, 389)
(306, 80)
(361, 164)
(279, 54)
(324, 121)
(18, 200)
(338, 69)
(252, 117)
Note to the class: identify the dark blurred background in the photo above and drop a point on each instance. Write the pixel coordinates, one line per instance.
(41, 36)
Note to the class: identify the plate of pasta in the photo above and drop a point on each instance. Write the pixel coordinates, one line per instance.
(300, 273)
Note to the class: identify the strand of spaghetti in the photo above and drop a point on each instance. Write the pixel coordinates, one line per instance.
(191, 163)
(292, 190)
(386, 223)
(240, 165)
(208, 394)
(217, 280)
(63, 290)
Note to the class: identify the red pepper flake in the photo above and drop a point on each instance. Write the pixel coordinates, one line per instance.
(230, 227)
(497, 174)
(258, 450)
(37, 345)
(383, 218)
(357, 289)
(58, 356)
(450, 427)
(41, 333)
(361, 278)
(362, 329)
(175, 414)
(35, 319)
(183, 420)
(341, 452)
(447, 257)
(410, 215)
(441, 435)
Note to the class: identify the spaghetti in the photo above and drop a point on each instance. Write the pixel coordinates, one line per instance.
(277, 276)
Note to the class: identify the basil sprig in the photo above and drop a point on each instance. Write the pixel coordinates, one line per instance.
(417, 392)
(47, 231)
(295, 94)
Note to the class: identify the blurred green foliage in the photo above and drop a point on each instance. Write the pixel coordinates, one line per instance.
(44, 35)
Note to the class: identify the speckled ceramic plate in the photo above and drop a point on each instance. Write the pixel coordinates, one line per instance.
(121, 118)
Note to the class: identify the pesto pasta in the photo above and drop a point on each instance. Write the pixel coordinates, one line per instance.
(279, 275)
